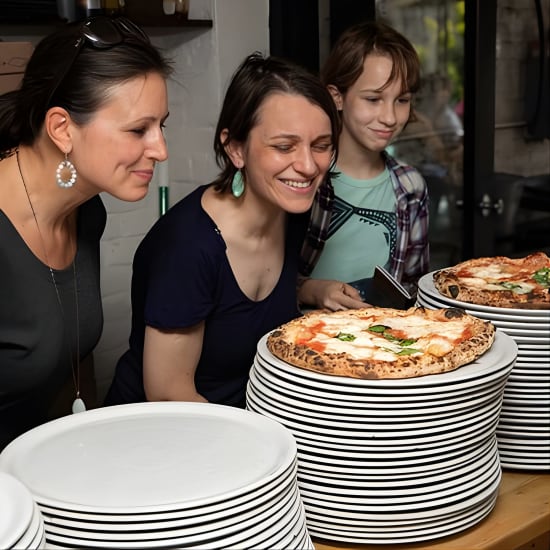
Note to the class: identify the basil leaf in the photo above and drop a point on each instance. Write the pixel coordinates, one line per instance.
(404, 351)
(407, 342)
(378, 328)
(345, 337)
(509, 286)
(408, 351)
(542, 276)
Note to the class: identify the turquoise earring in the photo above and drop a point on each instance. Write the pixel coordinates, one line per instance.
(237, 185)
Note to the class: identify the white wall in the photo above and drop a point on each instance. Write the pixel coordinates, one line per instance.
(204, 62)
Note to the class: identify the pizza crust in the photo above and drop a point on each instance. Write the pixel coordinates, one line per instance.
(480, 281)
(286, 343)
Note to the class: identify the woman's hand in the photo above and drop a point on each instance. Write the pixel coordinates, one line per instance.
(333, 295)
(170, 359)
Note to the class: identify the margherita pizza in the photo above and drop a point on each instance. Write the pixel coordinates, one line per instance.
(498, 281)
(382, 342)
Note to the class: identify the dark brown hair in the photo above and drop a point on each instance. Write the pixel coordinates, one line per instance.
(256, 79)
(344, 64)
(84, 88)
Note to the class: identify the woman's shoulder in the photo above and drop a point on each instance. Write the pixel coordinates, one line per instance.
(185, 226)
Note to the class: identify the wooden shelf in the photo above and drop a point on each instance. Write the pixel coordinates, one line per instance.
(170, 21)
(150, 14)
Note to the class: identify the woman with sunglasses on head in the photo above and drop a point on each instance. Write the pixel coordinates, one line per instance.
(219, 269)
(87, 118)
(375, 210)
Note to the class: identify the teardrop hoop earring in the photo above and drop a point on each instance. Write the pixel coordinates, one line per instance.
(237, 185)
(65, 166)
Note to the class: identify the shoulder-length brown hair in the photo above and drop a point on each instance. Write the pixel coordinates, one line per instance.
(256, 79)
(344, 63)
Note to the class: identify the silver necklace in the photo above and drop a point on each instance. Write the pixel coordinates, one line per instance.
(78, 403)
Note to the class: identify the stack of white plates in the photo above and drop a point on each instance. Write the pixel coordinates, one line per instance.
(523, 432)
(163, 475)
(21, 523)
(390, 461)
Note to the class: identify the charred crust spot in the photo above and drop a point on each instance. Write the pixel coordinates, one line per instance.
(453, 290)
(454, 313)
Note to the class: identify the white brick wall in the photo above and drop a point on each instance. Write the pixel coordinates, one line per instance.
(204, 62)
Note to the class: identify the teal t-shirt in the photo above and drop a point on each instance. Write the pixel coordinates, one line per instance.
(362, 231)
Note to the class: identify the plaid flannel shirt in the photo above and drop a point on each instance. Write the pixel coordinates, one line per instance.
(411, 256)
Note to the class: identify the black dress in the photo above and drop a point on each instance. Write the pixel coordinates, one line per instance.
(35, 334)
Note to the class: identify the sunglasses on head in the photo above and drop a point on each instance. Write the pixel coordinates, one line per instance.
(101, 33)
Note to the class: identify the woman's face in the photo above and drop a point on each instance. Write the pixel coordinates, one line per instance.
(288, 152)
(117, 150)
(372, 116)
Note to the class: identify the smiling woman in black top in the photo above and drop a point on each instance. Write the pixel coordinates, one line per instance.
(87, 118)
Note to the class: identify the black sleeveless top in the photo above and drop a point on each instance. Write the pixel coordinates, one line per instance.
(35, 332)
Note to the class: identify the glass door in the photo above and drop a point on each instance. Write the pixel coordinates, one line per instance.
(434, 142)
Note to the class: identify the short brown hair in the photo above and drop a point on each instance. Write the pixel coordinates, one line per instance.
(344, 64)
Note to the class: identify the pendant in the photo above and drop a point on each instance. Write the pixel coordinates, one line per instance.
(78, 406)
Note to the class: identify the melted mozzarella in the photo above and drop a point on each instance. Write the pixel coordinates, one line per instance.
(370, 345)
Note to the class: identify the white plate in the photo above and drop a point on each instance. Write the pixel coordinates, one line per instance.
(530, 389)
(149, 457)
(529, 394)
(285, 522)
(524, 420)
(467, 475)
(182, 525)
(525, 330)
(329, 406)
(387, 459)
(496, 316)
(190, 516)
(530, 376)
(391, 439)
(193, 535)
(388, 535)
(16, 510)
(390, 480)
(396, 425)
(374, 467)
(344, 511)
(388, 528)
(426, 286)
(34, 531)
(380, 398)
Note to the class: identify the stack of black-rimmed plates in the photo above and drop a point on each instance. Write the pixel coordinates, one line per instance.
(163, 475)
(390, 461)
(523, 432)
(21, 523)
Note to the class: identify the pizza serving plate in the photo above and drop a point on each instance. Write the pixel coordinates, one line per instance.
(442, 528)
(496, 359)
(326, 406)
(21, 524)
(390, 453)
(530, 329)
(427, 289)
(308, 390)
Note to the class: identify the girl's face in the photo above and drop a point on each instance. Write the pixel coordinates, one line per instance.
(372, 116)
(117, 150)
(288, 152)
